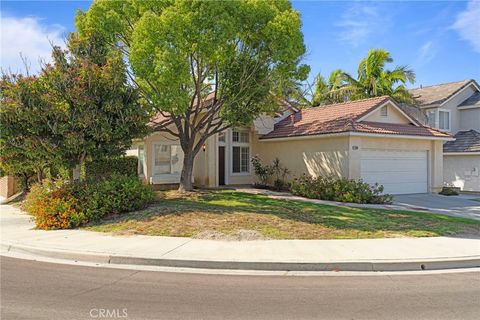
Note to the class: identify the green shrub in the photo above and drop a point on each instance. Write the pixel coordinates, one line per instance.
(114, 195)
(341, 190)
(266, 173)
(449, 191)
(56, 204)
(52, 207)
(106, 167)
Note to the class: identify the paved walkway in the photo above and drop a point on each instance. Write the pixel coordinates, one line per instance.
(18, 235)
(458, 206)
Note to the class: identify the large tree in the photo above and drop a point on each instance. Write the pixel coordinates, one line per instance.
(26, 144)
(98, 110)
(203, 66)
(373, 79)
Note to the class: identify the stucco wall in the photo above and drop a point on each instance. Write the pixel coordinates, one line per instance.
(469, 119)
(462, 171)
(8, 187)
(393, 116)
(319, 156)
(452, 105)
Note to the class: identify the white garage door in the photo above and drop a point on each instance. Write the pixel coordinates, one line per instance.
(400, 172)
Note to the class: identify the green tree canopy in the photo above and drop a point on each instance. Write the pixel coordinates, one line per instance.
(203, 65)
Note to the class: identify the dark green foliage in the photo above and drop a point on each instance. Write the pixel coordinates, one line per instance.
(105, 167)
(111, 196)
(58, 204)
(271, 176)
(449, 191)
(341, 190)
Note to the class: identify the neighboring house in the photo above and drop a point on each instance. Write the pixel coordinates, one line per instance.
(371, 139)
(455, 108)
(8, 187)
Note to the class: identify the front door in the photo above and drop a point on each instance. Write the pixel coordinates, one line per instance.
(221, 166)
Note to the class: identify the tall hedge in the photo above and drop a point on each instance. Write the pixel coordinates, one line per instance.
(105, 167)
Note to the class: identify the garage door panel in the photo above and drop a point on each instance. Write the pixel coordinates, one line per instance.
(397, 165)
(394, 177)
(399, 172)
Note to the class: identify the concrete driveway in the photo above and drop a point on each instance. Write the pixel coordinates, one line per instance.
(460, 206)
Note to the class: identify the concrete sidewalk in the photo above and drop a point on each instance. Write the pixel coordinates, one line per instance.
(398, 254)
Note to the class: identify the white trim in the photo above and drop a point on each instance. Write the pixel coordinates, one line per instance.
(477, 153)
(472, 82)
(346, 134)
(393, 104)
(449, 119)
(469, 107)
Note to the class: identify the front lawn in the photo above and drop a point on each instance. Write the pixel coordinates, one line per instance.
(227, 214)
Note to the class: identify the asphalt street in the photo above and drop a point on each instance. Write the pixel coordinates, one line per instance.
(38, 290)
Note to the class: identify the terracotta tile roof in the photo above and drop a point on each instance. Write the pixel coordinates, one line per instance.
(466, 141)
(342, 117)
(437, 94)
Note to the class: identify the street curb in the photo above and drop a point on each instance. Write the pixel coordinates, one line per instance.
(372, 266)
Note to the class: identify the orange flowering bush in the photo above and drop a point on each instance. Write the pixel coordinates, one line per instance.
(52, 207)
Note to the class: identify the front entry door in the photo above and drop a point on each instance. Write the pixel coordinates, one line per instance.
(221, 166)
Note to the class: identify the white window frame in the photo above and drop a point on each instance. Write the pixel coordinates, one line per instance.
(449, 119)
(384, 111)
(163, 143)
(141, 164)
(240, 144)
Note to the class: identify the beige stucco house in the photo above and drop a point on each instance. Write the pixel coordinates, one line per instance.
(455, 108)
(371, 139)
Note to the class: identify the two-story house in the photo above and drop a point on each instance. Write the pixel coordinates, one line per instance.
(455, 108)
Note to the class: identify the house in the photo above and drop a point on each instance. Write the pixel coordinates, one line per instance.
(455, 108)
(371, 139)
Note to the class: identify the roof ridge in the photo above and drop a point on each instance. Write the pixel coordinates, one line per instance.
(441, 84)
(347, 102)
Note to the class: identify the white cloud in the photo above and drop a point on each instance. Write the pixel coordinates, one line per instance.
(426, 52)
(359, 22)
(467, 24)
(27, 37)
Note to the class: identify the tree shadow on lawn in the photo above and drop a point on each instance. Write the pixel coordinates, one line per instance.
(345, 219)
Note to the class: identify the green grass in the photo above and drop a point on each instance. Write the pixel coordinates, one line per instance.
(229, 212)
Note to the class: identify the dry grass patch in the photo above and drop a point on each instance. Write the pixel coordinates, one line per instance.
(242, 216)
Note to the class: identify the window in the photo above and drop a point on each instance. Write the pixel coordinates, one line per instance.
(221, 137)
(141, 160)
(444, 120)
(240, 151)
(240, 136)
(240, 159)
(167, 159)
(384, 111)
(431, 118)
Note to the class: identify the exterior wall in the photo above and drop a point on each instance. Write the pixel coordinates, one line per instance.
(452, 106)
(393, 116)
(434, 149)
(8, 187)
(462, 171)
(316, 156)
(469, 119)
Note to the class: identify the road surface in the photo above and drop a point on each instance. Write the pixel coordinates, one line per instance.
(38, 290)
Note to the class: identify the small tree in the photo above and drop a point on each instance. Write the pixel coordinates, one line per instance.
(204, 66)
(98, 111)
(26, 144)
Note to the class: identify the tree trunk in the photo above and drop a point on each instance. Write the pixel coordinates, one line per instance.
(78, 168)
(187, 171)
(25, 185)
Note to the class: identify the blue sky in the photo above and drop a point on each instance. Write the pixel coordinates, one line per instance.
(440, 40)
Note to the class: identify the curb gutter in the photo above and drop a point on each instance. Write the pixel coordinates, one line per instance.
(372, 265)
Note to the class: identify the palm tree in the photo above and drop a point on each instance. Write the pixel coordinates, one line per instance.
(374, 80)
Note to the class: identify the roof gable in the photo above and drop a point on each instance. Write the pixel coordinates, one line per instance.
(436, 95)
(347, 117)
